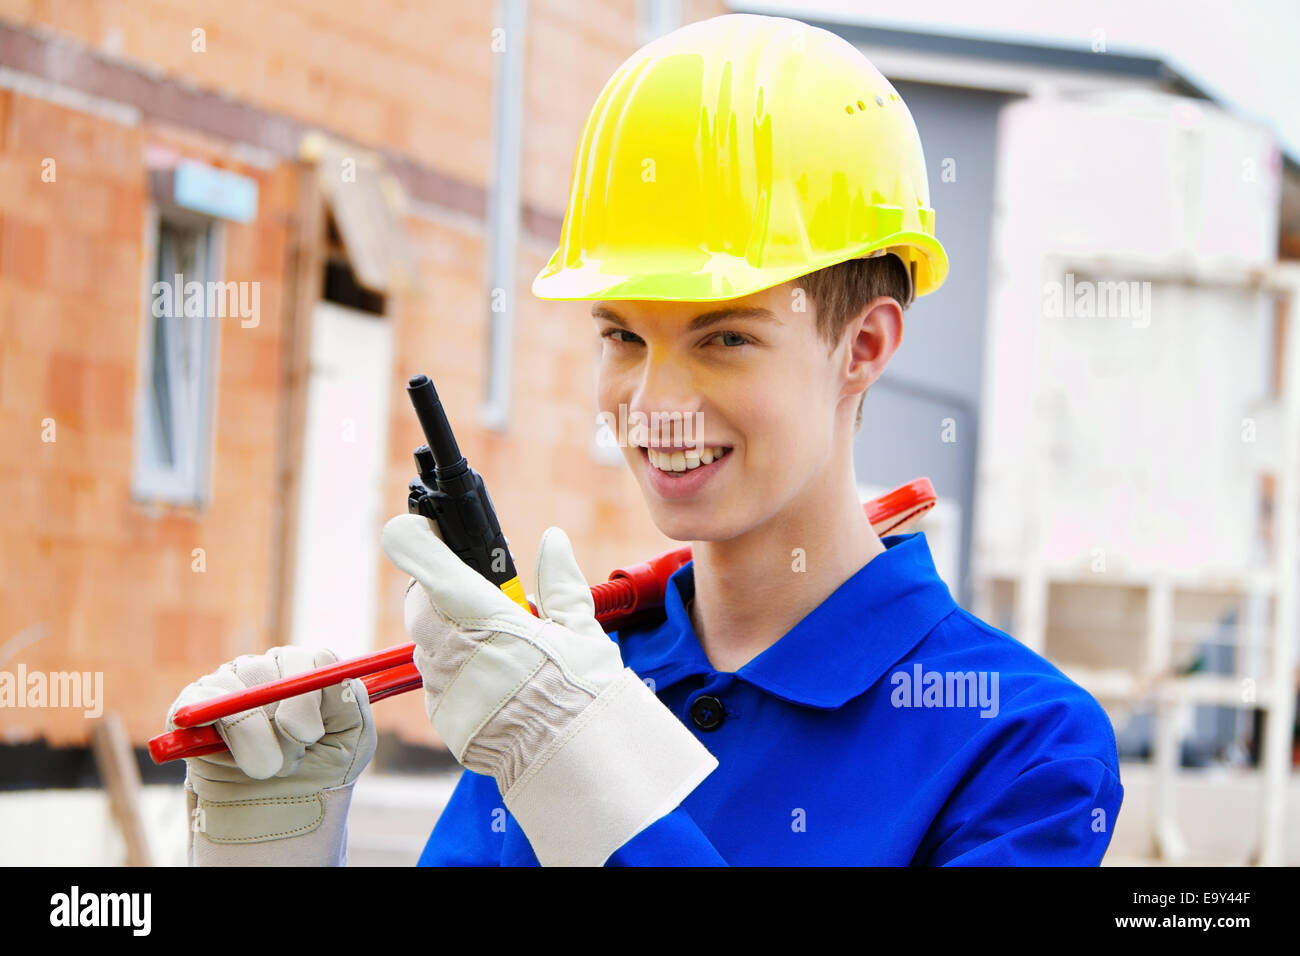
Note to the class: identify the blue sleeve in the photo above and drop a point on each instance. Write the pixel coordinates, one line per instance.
(672, 840)
(472, 828)
(1047, 791)
(1056, 814)
(476, 830)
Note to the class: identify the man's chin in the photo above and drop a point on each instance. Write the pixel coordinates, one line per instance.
(682, 522)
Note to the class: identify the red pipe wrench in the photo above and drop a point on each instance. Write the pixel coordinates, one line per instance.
(631, 595)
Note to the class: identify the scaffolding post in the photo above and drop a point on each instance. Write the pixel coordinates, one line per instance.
(1276, 751)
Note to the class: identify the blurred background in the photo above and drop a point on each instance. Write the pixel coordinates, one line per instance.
(1105, 393)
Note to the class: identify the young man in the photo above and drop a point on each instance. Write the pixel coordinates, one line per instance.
(749, 216)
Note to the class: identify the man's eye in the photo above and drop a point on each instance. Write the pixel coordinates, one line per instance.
(735, 335)
(610, 333)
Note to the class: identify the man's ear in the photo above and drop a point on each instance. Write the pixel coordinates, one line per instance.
(873, 338)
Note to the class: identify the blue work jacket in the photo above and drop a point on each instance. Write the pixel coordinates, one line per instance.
(888, 727)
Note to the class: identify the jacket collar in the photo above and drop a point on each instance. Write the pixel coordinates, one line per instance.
(837, 652)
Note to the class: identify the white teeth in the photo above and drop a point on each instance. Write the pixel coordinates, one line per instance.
(685, 460)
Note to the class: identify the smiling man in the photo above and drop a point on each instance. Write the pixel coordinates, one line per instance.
(749, 217)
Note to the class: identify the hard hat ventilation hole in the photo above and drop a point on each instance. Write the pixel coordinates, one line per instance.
(879, 101)
(861, 105)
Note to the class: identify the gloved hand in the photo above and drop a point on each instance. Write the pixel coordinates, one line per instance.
(281, 795)
(584, 754)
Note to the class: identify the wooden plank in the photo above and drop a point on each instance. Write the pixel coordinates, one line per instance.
(306, 270)
(121, 777)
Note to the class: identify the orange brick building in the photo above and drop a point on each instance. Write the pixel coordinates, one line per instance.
(156, 516)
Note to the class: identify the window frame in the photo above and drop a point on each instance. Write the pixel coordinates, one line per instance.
(188, 481)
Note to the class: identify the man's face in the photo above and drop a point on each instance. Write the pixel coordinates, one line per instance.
(759, 383)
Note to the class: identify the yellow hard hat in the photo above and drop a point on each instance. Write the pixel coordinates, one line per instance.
(735, 154)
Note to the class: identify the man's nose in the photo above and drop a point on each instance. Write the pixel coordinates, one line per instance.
(664, 386)
(668, 393)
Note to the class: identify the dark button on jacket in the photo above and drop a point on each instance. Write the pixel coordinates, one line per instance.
(707, 712)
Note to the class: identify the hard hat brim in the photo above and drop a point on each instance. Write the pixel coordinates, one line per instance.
(718, 277)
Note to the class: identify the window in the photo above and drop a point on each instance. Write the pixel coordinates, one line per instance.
(175, 399)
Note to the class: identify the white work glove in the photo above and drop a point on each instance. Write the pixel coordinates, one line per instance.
(280, 797)
(584, 754)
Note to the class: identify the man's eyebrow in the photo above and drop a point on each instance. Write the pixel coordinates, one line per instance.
(700, 321)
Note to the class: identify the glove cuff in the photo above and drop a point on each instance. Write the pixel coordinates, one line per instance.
(623, 763)
(308, 830)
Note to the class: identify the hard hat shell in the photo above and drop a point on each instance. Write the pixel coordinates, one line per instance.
(737, 153)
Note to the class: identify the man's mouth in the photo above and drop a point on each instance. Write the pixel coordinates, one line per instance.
(683, 459)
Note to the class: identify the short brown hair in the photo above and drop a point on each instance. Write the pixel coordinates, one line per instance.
(840, 292)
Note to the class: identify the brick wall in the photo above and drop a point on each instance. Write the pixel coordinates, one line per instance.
(109, 577)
